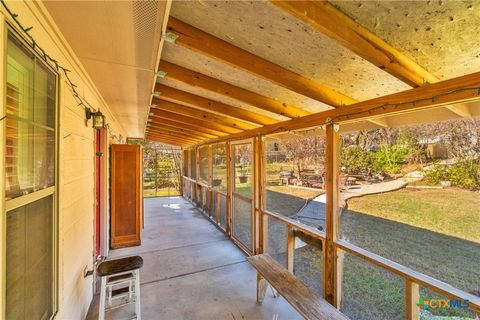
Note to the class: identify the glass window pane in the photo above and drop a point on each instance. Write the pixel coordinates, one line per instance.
(242, 221)
(412, 189)
(29, 261)
(193, 164)
(277, 241)
(308, 261)
(204, 170)
(370, 292)
(294, 174)
(433, 305)
(30, 134)
(223, 212)
(185, 163)
(243, 174)
(45, 96)
(219, 173)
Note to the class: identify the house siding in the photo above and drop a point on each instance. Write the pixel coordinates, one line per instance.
(76, 160)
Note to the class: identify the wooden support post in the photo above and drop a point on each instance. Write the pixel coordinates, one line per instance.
(258, 229)
(210, 179)
(412, 295)
(331, 288)
(228, 150)
(204, 198)
(290, 243)
(218, 206)
(262, 286)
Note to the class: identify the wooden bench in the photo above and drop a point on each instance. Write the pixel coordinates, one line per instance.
(286, 176)
(307, 302)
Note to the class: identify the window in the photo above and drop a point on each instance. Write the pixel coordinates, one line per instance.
(409, 193)
(204, 175)
(29, 184)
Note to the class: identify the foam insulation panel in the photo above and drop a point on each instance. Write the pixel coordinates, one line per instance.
(219, 70)
(217, 97)
(268, 32)
(441, 36)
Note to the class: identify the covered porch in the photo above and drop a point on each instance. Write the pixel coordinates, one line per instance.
(192, 271)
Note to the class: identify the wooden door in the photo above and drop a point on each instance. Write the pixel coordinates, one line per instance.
(126, 195)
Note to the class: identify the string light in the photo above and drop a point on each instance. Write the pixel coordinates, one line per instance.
(398, 105)
(81, 102)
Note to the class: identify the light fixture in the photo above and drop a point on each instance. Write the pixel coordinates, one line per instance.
(98, 118)
(156, 94)
(161, 74)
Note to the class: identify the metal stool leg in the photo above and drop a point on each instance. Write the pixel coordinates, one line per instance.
(137, 294)
(103, 289)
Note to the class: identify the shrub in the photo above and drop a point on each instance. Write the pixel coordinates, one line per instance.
(390, 158)
(465, 173)
(356, 160)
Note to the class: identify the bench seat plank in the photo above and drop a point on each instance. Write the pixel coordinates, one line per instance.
(306, 301)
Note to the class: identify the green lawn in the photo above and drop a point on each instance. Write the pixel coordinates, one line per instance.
(452, 212)
(436, 232)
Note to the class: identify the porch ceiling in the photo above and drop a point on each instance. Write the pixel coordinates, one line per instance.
(117, 43)
(311, 57)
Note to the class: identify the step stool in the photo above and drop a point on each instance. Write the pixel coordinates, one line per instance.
(120, 278)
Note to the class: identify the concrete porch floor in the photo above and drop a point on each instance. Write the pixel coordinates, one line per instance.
(192, 271)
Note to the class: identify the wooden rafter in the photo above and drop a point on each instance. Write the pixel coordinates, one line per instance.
(200, 114)
(174, 135)
(457, 90)
(196, 125)
(181, 130)
(327, 19)
(194, 121)
(153, 120)
(200, 41)
(196, 79)
(181, 134)
(169, 141)
(183, 97)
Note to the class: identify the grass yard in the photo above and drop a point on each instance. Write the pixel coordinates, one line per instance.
(435, 232)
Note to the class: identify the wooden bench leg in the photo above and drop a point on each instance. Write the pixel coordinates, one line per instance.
(262, 286)
(274, 292)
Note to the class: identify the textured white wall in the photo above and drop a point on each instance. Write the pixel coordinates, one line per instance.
(76, 184)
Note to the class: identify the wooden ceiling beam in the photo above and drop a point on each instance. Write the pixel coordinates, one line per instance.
(207, 44)
(180, 130)
(453, 91)
(158, 121)
(196, 79)
(175, 95)
(173, 137)
(327, 19)
(176, 133)
(200, 114)
(169, 141)
(188, 123)
(195, 121)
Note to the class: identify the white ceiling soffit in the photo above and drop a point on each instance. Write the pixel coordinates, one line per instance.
(117, 43)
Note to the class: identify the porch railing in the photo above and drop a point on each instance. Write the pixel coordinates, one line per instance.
(212, 207)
